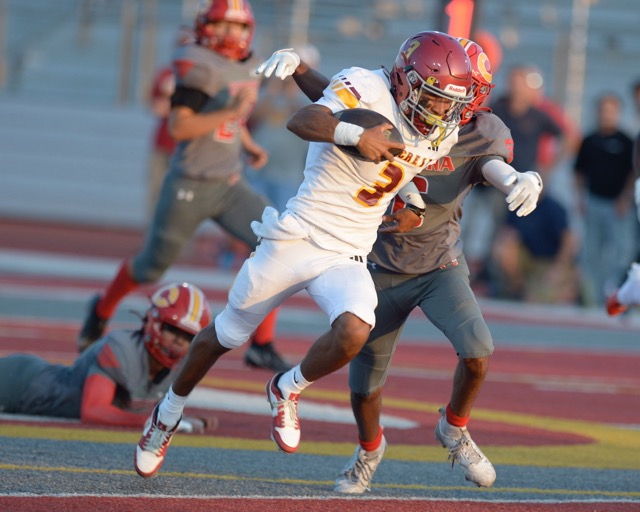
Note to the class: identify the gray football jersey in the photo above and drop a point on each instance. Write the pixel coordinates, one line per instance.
(56, 390)
(443, 186)
(216, 154)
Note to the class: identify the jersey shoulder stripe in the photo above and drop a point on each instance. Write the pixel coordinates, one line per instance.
(354, 87)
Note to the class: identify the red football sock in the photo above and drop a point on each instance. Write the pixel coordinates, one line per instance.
(371, 446)
(454, 419)
(121, 285)
(266, 330)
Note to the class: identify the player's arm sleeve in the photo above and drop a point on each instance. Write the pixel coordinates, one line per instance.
(411, 195)
(109, 371)
(189, 97)
(496, 171)
(312, 83)
(97, 404)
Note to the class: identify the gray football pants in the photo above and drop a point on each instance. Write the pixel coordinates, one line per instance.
(445, 297)
(182, 206)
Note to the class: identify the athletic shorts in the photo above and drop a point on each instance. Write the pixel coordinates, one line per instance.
(445, 297)
(338, 283)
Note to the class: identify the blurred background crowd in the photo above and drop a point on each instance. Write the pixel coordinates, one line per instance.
(85, 86)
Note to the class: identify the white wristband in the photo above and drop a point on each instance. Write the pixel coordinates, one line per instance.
(347, 134)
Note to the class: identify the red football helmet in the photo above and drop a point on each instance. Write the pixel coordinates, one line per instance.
(482, 77)
(182, 306)
(211, 11)
(431, 64)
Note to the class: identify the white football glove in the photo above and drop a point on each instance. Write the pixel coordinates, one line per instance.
(637, 197)
(282, 64)
(526, 190)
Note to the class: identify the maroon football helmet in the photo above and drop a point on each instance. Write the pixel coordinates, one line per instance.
(431, 64)
(482, 77)
(182, 306)
(211, 11)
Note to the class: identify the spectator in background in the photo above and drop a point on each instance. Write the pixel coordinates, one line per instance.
(604, 184)
(280, 178)
(535, 256)
(552, 150)
(519, 110)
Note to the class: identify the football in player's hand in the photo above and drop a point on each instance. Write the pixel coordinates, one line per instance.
(367, 119)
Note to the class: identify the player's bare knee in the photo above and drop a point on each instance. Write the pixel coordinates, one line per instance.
(350, 334)
(358, 399)
(209, 337)
(476, 367)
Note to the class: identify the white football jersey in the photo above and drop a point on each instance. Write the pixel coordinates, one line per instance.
(342, 199)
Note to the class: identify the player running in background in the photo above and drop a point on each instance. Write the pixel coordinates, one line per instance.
(118, 379)
(320, 243)
(425, 268)
(216, 89)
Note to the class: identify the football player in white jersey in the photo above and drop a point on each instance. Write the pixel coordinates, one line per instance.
(424, 267)
(321, 241)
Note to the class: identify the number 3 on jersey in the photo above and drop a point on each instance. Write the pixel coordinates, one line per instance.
(370, 196)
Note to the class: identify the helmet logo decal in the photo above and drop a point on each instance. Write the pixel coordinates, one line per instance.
(412, 48)
(484, 67)
(456, 90)
(413, 78)
(166, 298)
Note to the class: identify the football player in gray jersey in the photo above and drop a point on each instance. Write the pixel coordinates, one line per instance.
(216, 89)
(119, 378)
(417, 261)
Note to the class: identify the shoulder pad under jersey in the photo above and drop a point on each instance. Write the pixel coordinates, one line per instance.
(354, 87)
(198, 68)
(484, 135)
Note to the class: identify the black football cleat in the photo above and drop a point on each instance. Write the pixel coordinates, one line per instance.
(93, 327)
(265, 356)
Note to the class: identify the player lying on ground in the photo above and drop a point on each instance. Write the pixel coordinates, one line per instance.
(118, 379)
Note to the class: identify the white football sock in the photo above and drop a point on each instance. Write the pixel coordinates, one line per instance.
(170, 409)
(292, 382)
